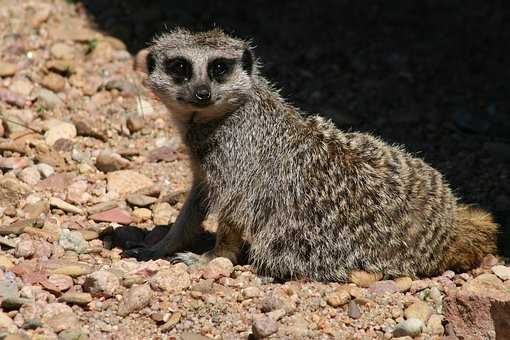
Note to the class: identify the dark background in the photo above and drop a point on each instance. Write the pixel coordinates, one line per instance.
(431, 75)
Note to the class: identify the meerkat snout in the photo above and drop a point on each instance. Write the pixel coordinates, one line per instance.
(201, 77)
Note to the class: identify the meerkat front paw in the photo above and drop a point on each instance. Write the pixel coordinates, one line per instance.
(190, 258)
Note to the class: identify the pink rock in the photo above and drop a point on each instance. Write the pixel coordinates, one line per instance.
(13, 98)
(56, 182)
(116, 215)
(163, 153)
(383, 287)
(480, 309)
(13, 163)
(219, 267)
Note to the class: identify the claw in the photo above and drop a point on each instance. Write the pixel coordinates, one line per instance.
(187, 258)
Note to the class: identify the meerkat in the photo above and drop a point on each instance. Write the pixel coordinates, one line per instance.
(313, 202)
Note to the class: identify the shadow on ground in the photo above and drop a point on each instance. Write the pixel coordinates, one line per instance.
(431, 75)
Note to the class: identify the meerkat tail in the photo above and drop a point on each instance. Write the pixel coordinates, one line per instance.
(475, 237)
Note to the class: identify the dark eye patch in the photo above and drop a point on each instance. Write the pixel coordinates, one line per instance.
(219, 69)
(179, 69)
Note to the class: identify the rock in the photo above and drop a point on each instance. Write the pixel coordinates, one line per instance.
(30, 175)
(419, 285)
(353, 310)
(115, 215)
(25, 249)
(78, 192)
(101, 207)
(11, 192)
(250, 292)
(73, 240)
(218, 267)
(135, 123)
(62, 51)
(14, 163)
(141, 214)
(163, 153)
(17, 121)
(58, 282)
(127, 181)
(22, 86)
(174, 280)
(435, 295)
(58, 203)
(410, 327)
(62, 321)
(502, 272)
(13, 98)
(480, 309)
(419, 310)
(5, 262)
(14, 303)
(55, 182)
(63, 67)
(59, 130)
(48, 99)
(19, 226)
(35, 210)
(276, 302)
(383, 287)
(89, 129)
(172, 321)
(435, 325)
(403, 284)
(89, 235)
(54, 82)
(163, 213)
(7, 324)
(143, 107)
(338, 298)
(193, 336)
(488, 285)
(139, 200)
(364, 279)
(8, 289)
(264, 327)
(136, 298)
(127, 88)
(108, 161)
(39, 14)
(71, 268)
(73, 334)
(7, 69)
(76, 298)
(102, 283)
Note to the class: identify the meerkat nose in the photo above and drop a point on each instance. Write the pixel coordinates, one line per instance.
(202, 93)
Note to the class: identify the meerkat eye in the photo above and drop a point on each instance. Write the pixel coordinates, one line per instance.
(219, 68)
(178, 68)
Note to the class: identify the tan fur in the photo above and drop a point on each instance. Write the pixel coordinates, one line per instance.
(475, 238)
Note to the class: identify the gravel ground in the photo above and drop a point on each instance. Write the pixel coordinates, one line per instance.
(88, 163)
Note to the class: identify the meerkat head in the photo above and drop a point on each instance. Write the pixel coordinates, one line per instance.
(200, 76)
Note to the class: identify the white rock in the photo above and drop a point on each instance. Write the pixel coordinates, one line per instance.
(503, 272)
(59, 130)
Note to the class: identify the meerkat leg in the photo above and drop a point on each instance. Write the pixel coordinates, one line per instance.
(228, 244)
(185, 229)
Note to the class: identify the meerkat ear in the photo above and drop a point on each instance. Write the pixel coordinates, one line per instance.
(247, 60)
(150, 62)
